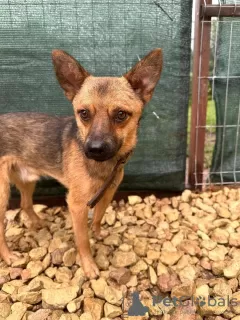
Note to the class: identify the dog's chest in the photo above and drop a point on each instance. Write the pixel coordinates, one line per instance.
(100, 171)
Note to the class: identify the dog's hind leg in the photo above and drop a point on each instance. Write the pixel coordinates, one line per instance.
(5, 253)
(26, 190)
(102, 205)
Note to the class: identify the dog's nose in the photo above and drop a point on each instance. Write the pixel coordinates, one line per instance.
(100, 148)
(97, 147)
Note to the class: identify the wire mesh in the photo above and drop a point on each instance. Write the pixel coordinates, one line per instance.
(221, 147)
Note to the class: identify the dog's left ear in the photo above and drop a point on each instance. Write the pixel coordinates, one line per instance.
(144, 76)
(69, 72)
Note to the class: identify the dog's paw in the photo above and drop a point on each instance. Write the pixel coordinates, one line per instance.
(102, 234)
(37, 224)
(90, 269)
(9, 257)
(32, 221)
(96, 228)
(99, 233)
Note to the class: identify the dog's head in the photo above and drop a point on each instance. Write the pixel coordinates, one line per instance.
(108, 109)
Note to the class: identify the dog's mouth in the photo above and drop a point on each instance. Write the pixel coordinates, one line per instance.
(99, 157)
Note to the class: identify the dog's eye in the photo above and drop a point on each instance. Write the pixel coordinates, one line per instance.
(84, 114)
(121, 116)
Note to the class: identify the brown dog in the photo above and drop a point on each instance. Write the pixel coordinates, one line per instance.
(80, 151)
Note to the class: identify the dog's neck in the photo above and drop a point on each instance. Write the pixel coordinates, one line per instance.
(99, 194)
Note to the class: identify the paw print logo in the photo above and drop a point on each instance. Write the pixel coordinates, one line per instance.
(200, 301)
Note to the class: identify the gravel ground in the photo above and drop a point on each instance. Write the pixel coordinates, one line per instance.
(180, 254)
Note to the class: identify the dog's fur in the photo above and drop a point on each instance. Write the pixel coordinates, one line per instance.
(78, 151)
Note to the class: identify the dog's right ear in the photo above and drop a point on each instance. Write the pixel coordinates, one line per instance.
(144, 77)
(69, 72)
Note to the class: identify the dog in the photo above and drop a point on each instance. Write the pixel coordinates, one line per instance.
(79, 151)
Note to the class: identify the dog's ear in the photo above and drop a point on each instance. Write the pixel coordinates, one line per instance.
(144, 76)
(69, 72)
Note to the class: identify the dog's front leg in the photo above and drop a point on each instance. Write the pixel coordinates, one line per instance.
(102, 205)
(79, 212)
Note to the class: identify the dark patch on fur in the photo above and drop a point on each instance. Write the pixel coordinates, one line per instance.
(103, 88)
(71, 131)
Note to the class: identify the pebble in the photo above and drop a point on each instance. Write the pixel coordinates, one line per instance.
(161, 269)
(121, 275)
(187, 311)
(124, 259)
(5, 309)
(111, 218)
(98, 287)
(134, 200)
(14, 233)
(102, 261)
(186, 289)
(86, 316)
(223, 212)
(234, 239)
(17, 311)
(167, 281)
(132, 282)
(186, 196)
(113, 296)
(170, 258)
(113, 240)
(138, 267)
(202, 291)
(75, 304)
(34, 268)
(220, 236)
(187, 274)
(63, 274)
(38, 253)
(59, 298)
(217, 307)
(153, 255)
(51, 271)
(42, 314)
(233, 270)
(8, 288)
(152, 275)
(94, 306)
(69, 257)
(218, 253)
(111, 311)
(29, 297)
(235, 307)
(222, 289)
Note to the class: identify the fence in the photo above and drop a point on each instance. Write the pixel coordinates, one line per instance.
(214, 143)
(107, 37)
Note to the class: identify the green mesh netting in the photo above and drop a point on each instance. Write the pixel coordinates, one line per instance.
(226, 158)
(107, 37)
